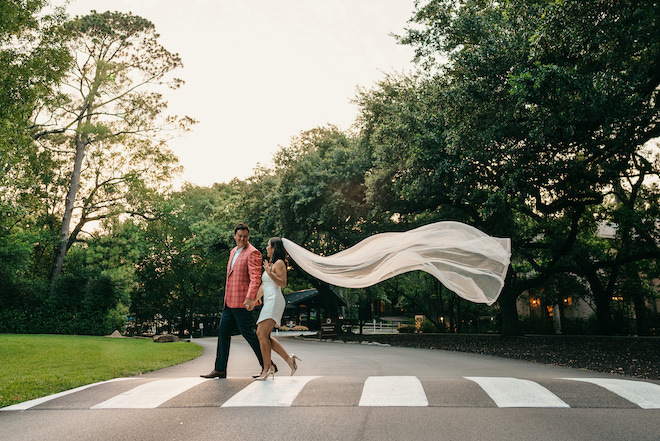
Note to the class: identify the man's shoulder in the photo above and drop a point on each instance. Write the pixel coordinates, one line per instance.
(249, 248)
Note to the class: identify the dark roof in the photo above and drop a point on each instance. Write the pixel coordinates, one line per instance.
(310, 297)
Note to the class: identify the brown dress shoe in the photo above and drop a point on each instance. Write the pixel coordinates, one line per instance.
(215, 374)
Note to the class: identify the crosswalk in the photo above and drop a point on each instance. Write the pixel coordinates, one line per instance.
(374, 391)
(280, 393)
(393, 391)
(644, 395)
(150, 395)
(514, 392)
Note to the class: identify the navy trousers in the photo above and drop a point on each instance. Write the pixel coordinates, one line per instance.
(230, 320)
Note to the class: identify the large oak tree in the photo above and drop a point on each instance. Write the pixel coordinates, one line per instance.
(106, 129)
(527, 117)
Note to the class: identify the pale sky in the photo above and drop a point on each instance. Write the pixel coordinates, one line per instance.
(259, 72)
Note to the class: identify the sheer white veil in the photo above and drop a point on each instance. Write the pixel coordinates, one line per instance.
(466, 260)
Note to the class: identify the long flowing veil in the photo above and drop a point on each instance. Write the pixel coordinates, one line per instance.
(466, 260)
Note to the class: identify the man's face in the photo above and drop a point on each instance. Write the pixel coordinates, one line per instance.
(241, 237)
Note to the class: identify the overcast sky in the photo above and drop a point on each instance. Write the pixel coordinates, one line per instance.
(259, 72)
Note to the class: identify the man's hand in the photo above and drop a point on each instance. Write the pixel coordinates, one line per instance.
(248, 304)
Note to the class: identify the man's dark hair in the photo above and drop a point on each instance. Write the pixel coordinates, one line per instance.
(241, 226)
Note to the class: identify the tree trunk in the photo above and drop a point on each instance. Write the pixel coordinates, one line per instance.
(459, 317)
(453, 327)
(188, 316)
(510, 323)
(63, 244)
(602, 296)
(329, 300)
(641, 314)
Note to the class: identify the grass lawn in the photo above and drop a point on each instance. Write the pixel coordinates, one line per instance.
(33, 366)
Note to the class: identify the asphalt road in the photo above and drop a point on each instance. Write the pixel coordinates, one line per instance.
(349, 392)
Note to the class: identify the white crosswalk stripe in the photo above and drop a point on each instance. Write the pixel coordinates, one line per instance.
(279, 392)
(376, 391)
(150, 395)
(645, 395)
(393, 391)
(514, 392)
(32, 403)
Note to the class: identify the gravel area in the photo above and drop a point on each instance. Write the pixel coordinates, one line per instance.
(630, 356)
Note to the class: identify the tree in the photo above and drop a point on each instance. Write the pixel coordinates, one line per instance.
(33, 60)
(105, 127)
(314, 196)
(531, 122)
(625, 265)
(181, 272)
(320, 190)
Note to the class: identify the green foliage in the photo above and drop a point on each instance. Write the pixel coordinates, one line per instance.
(523, 134)
(530, 120)
(82, 303)
(580, 326)
(181, 272)
(320, 190)
(107, 124)
(536, 325)
(313, 195)
(92, 297)
(15, 261)
(405, 329)
(33, 60)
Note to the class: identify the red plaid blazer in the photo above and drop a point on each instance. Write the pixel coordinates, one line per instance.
(244, 278)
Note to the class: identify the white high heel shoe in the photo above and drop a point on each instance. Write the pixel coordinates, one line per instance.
(271, 371)
(293, 364)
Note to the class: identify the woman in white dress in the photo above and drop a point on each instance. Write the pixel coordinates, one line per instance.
(273, 280)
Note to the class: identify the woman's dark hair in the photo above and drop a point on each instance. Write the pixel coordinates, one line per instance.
(278, 250)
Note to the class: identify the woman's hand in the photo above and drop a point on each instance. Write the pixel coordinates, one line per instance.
(268, 267)
(276, 271)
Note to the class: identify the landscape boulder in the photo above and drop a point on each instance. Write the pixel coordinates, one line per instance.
(165, 338)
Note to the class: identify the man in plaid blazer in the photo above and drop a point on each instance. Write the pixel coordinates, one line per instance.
(243, 280)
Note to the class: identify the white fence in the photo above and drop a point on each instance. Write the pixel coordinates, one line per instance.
(378, 328)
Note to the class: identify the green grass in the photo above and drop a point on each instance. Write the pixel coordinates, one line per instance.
(33, 366)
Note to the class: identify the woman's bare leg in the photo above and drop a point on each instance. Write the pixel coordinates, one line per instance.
(263, 334)
(277, 347)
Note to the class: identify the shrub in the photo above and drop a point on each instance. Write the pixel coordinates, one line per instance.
(536, 325)
(428, 327)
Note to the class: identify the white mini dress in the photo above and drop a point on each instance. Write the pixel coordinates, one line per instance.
(273, 300)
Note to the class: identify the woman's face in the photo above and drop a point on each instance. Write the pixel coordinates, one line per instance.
(269, 250)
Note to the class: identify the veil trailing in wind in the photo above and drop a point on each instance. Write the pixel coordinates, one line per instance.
(466, 260)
